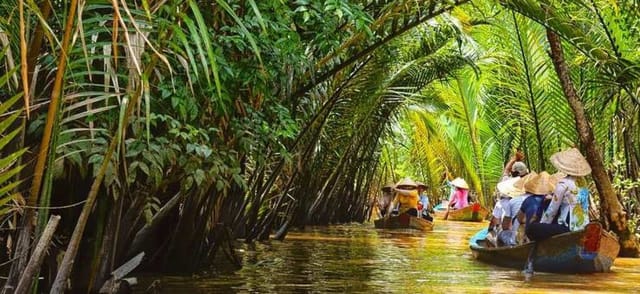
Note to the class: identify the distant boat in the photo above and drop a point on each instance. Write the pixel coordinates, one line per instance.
(403, 221)
(590, 250)
(440, 209)
(472, 213)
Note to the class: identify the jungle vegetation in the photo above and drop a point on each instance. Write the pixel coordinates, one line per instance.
(172, 127)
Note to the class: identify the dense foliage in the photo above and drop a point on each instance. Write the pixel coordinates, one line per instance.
(181, 125)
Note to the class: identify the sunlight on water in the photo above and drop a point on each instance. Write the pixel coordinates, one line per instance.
(359, 258)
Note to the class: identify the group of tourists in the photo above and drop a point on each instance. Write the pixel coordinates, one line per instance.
(407, 196)
(530, 205)
(535, 206)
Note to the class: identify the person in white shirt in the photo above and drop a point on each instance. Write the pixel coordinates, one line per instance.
(513, 171)
(503, 213)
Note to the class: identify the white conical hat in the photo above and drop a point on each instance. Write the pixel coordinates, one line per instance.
(460, 183)
(571, 162)
(507, 187)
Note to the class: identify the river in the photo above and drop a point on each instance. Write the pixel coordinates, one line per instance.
(358, 258)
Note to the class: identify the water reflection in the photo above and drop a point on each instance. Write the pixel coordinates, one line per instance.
(359, 258)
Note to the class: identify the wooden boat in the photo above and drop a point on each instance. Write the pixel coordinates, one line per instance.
(587, 251)
(403, 221)
(440, 210)
(472, 213)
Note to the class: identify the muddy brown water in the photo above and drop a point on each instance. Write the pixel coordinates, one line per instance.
(357, 258)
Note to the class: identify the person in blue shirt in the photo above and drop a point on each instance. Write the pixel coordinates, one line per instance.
(539, 187)
(424, 205)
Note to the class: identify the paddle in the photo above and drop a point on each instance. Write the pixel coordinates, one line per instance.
(528, 267)
(446, 214)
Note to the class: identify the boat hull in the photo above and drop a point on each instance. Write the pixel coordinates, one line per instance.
(588, 251)
(472, 213)
(404, 221)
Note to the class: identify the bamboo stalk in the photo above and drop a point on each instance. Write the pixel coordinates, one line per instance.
(38, 256)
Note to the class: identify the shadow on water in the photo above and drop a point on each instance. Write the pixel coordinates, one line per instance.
(359, 258)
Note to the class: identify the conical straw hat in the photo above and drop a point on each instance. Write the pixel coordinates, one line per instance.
(541, 184)
(519, 184)
(571, 162)
(507, 187)
(421, 185)
(460, 183)
(387, 188)
(407, 183)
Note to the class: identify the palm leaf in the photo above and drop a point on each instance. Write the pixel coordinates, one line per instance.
(8, 166)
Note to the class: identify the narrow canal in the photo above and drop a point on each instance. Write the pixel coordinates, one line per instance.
(359, 258)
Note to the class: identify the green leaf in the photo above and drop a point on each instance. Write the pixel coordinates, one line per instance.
(199, 176)
(258, 15)
(4, 106)
(5, 200)
(248, 35)
(204, 31)
(193, 31)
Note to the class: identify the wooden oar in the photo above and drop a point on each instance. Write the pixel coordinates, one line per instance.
(528, 267)
(446, 214)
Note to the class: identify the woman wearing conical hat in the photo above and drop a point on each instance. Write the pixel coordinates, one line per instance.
(567, 210)
(406, 198)
(459, 197)
(538, 186)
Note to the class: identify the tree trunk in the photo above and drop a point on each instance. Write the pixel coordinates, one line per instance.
(33, 267)
(612, 210)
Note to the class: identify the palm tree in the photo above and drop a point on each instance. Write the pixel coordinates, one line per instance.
(599, 45)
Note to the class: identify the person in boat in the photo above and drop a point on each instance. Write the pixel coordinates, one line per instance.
(385, 201)
(539, 187)
(515, 167)
(406, 198)
(513, 171)
(510, 222)
(568, 208)
(424, 206)
(459, 197)
(500, 233)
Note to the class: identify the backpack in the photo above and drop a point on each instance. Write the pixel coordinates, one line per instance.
(580, 212)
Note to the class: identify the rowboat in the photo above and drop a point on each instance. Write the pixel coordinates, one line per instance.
(440, 210)
(586, 251)
(472, 213)
(403, 221)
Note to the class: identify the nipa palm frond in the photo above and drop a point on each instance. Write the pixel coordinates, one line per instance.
(9, 162)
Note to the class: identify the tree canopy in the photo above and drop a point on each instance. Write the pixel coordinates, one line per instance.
(179, 124)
